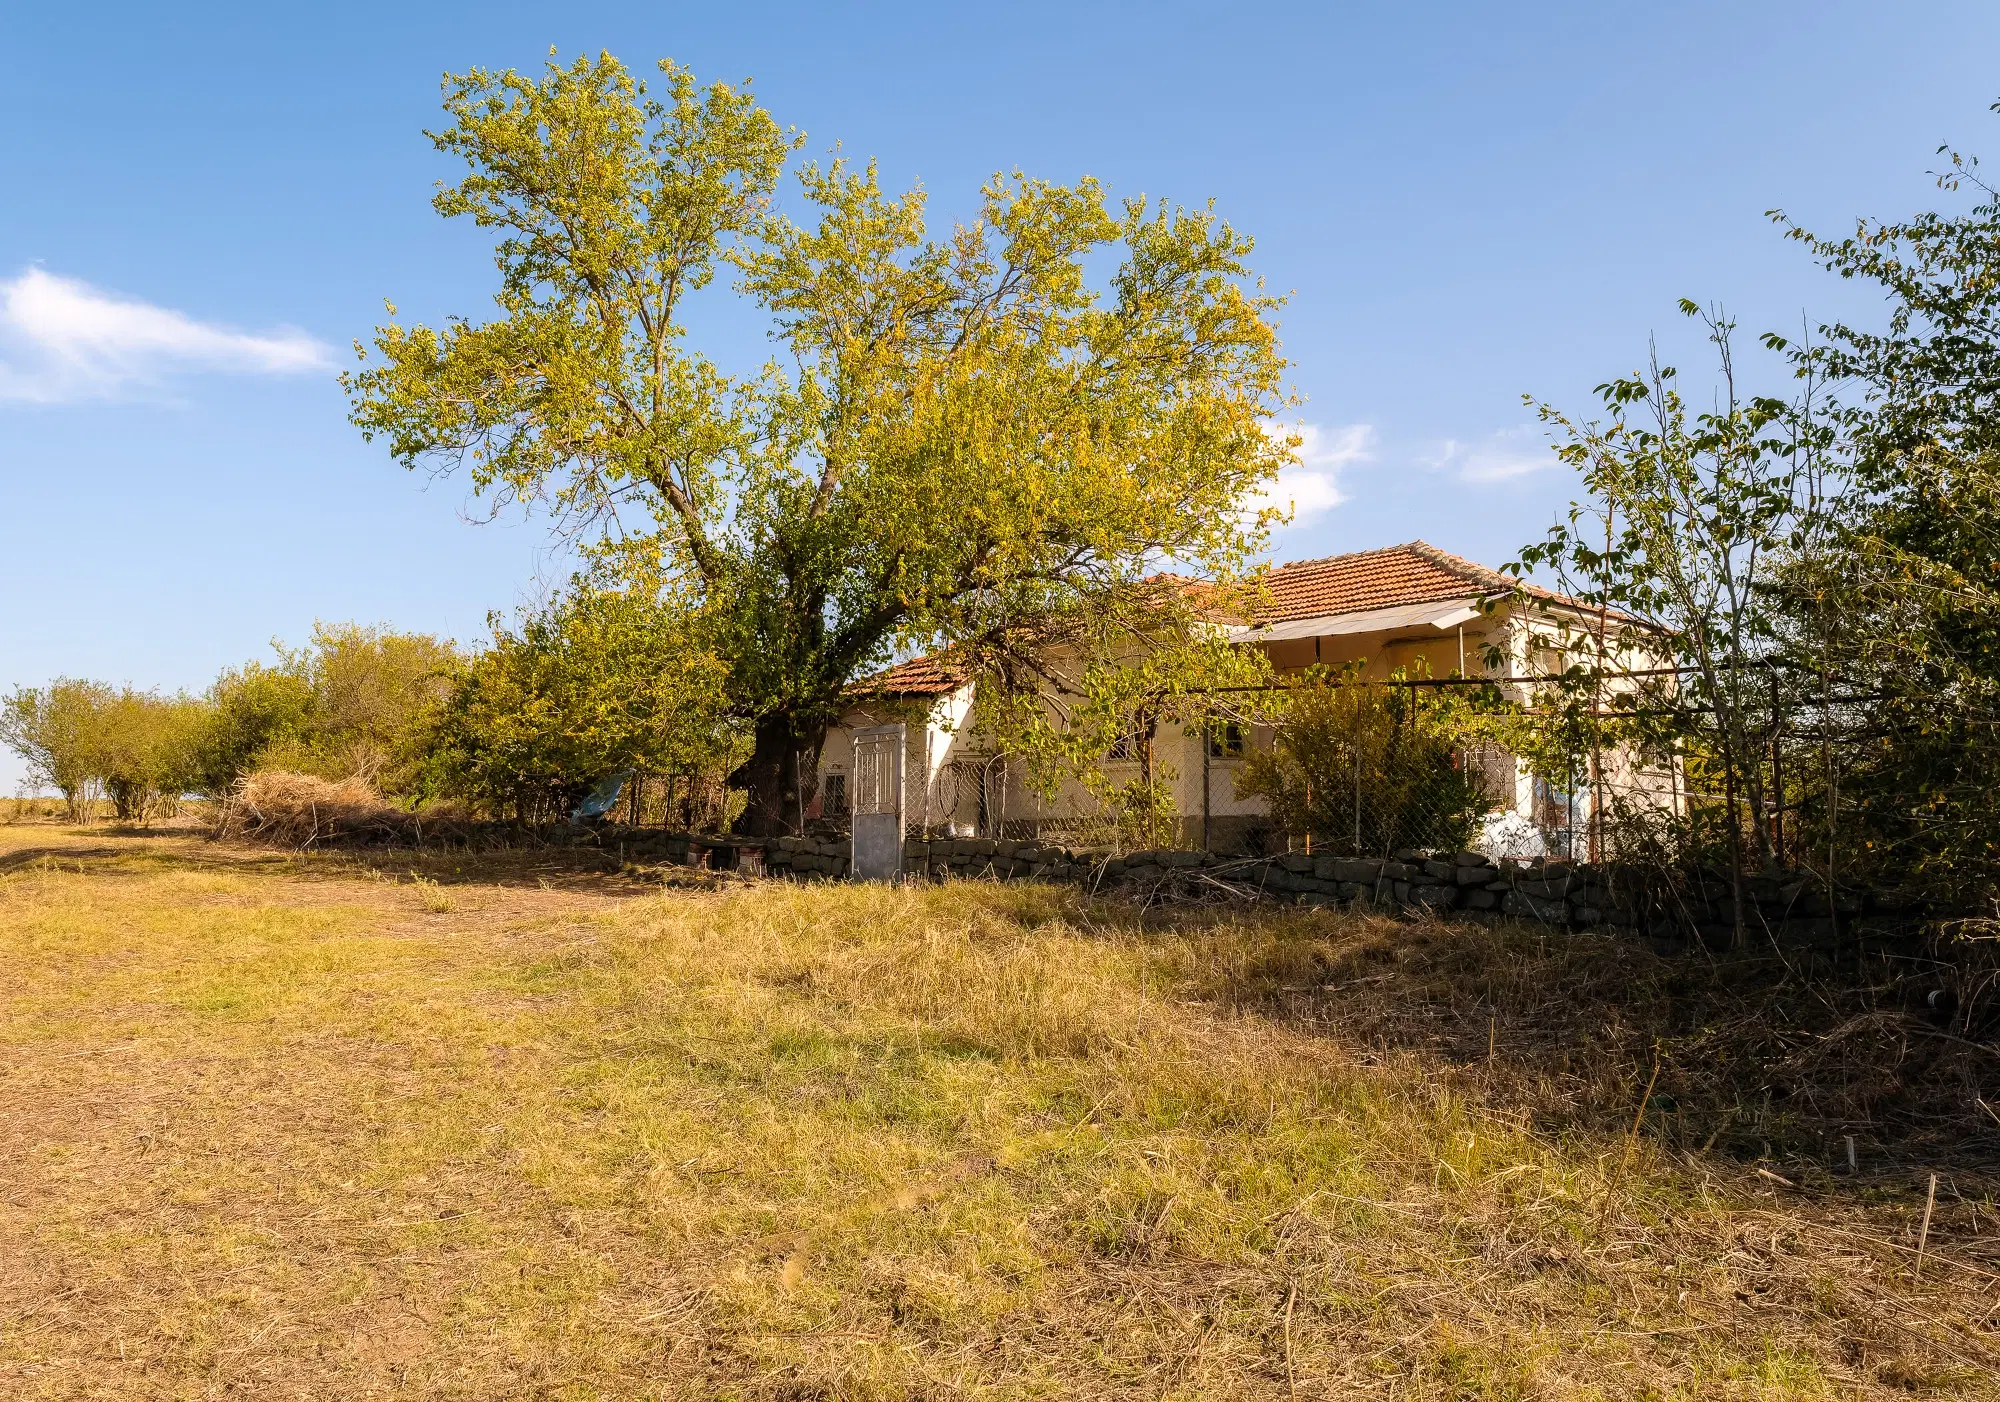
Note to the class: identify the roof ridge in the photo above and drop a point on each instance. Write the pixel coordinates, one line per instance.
(1471, 569)
(1347, 555)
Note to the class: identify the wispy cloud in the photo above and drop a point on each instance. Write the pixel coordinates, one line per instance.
(1499, 457)
(1311, 486)
(63, 341)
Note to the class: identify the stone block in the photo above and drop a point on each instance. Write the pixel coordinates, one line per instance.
(1547, 909)
(1356, 869)
(1471, 876)
(1547, 888)
(1297, 861)
(1440, 871)
(1398, 871)
(1471, 859)
(1478, 898)
(1434, 897)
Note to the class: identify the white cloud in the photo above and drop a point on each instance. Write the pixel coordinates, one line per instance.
(1500, 457)
(63, 341)
(1311, 485)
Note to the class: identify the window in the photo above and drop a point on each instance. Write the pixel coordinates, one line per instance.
(1225, 741)
(833, 794)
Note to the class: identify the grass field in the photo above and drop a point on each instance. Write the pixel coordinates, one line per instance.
(279, 1127)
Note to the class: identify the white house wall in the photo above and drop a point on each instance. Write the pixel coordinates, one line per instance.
(941, 736)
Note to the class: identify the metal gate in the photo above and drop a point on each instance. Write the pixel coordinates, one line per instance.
(877, 797)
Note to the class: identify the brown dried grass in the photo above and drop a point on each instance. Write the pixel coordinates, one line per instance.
(282, 1131)
(285, 809)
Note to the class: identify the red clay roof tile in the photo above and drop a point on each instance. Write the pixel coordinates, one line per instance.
(1416, 573)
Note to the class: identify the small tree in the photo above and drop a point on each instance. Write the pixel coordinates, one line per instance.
(144, 750)
(55, 730)
(963, 438)
(1677, 548)
(256, 711)
(1367, 769)
(87, 740)
(339, 707)
(597, 682)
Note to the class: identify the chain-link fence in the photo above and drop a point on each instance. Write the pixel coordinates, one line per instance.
(1790, 781)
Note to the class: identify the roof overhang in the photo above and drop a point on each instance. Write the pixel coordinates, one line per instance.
(1440, 614)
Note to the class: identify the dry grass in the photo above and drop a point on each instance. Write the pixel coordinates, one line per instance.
(284, 809)
(285, 1127)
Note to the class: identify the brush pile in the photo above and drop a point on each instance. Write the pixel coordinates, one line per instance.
(285, 809)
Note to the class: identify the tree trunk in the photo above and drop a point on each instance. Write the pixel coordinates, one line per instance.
(779, 778)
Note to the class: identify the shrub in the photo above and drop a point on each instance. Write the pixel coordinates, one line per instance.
(1369, 768)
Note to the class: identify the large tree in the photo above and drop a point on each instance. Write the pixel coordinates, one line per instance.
(981, 440)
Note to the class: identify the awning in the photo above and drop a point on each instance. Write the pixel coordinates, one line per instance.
(1447, 613)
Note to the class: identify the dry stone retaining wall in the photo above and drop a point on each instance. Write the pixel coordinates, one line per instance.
(1792, 908)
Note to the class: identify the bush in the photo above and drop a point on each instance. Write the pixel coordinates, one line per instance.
(88, 740)
(597, 682)
(1369, 769)
(341, 707)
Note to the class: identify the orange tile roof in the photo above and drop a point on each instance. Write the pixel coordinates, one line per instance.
(1416, 573)
(938, 674)
(1413, 573)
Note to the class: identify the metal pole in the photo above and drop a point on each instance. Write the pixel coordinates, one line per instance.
(1207, 744)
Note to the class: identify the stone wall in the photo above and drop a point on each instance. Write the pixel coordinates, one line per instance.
(1792, 909)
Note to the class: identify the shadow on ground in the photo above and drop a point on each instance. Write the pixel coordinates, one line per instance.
(1757, 1058)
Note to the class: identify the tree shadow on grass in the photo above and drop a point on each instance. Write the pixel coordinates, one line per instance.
(76, 856)
(580, 869)
(1759, 1058)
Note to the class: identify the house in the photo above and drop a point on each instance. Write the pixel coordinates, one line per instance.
(1408, 609)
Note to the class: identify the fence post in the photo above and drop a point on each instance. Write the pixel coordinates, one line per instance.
(1356, 744)
(1207, 739)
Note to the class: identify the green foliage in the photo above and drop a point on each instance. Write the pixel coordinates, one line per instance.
(1905, 606)
(89, 740)
(338, 708)
(146, 750)
(1688, 520)
(596, 682)
(257, 709)
(51, 729)
(1369, 769)
(965, 444)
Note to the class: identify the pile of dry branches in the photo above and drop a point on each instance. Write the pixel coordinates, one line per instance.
(298, 810)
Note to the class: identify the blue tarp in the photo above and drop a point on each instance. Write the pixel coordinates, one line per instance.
(601, 797)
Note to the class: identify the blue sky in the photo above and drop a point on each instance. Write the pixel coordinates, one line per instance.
(204, 205)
